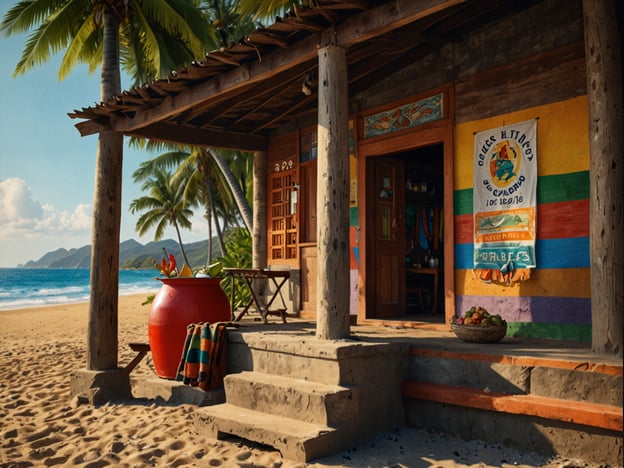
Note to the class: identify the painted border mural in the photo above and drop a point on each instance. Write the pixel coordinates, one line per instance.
(424, 110)
(505, 183)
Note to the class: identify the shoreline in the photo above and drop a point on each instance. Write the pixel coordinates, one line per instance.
(80, 302)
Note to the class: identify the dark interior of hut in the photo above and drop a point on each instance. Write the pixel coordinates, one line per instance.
(424, 249)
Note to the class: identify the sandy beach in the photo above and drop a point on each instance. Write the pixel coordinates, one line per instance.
(42, 426)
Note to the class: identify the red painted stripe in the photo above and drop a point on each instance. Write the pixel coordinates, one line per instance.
(576, 412)
(554, 221)
(563, 219)
(464, 226)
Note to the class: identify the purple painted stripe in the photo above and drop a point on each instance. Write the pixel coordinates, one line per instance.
(564, 310)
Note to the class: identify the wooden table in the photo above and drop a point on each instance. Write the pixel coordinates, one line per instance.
(277, 277)
(429, 272)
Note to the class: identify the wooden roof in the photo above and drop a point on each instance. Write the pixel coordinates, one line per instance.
(237, 96)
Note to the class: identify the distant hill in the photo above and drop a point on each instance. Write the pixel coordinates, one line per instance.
(132, 255)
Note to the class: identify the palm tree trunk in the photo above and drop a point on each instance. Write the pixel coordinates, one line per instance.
(102, 352)
(207, 215)
(177, 229)
(239, 197)
(217, 227)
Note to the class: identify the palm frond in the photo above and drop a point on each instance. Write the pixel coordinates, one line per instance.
(266, 8)
(54, 33)
(79, 49)
(149, 43)
(164, 14)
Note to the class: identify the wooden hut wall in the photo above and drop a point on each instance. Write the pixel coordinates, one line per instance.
(529, 66)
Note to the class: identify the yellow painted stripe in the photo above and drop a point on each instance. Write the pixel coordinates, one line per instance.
(562, 139)
(565, 282)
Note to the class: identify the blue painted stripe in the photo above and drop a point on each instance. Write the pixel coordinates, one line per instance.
(571, 252)
(562, 310)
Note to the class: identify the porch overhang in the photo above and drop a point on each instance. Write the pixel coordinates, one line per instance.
(238, 96)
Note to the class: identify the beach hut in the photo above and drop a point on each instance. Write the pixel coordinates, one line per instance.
(415, 159)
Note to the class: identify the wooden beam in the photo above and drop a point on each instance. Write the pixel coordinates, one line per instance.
(360, 28)
(301, 104)
(193, 136)
(388, 17)
(575, 412)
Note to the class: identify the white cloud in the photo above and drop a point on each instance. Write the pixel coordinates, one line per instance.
(16, 201)
(21, 215)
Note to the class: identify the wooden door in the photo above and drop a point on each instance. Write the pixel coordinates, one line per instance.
(386, 195)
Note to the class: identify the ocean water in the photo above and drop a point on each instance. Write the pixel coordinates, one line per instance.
(33, 287)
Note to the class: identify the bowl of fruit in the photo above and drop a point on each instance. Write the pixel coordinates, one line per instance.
(477, 325)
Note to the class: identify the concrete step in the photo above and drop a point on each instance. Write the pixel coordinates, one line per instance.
(296, 440)
(334, 362)
(311, 402)
(173, 392)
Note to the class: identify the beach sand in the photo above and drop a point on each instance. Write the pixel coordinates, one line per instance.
(40, 425)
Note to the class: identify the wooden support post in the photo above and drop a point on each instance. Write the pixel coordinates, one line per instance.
(606, 120)
(259, 234)
(333, 196)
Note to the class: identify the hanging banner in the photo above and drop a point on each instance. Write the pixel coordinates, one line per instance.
(504, 201)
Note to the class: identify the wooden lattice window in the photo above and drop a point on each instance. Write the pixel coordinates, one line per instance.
(283, 234)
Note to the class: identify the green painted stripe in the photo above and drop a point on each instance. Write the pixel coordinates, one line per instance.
(462, 200)
(556, 331)
(353, 216)
(550, 189)
(563, 187)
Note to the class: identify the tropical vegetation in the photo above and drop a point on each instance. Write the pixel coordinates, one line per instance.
(238, 256)
(147, 39)
(220, 182)
(164, 204)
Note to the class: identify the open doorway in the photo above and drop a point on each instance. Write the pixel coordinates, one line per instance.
(424, 257)
(406, 242)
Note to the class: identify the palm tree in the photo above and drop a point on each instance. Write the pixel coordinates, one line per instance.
(144, 35)
(205, 184)
(230, 24)
(217, 179)
(153, 36)
(164, 205)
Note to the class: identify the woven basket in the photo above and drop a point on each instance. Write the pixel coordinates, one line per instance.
(478, 334)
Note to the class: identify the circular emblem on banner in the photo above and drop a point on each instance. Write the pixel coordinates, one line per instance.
(505, 163)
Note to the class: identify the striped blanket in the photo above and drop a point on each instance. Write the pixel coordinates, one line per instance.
(203, 362)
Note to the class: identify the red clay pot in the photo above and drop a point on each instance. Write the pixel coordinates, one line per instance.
(180, 302)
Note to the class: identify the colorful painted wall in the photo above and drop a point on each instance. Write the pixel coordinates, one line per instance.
(555, 302)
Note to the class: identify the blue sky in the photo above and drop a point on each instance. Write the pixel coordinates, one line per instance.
(46, 168)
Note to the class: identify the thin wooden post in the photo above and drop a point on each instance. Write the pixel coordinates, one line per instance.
(259, 234)
(606, 121)
(332, 314)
